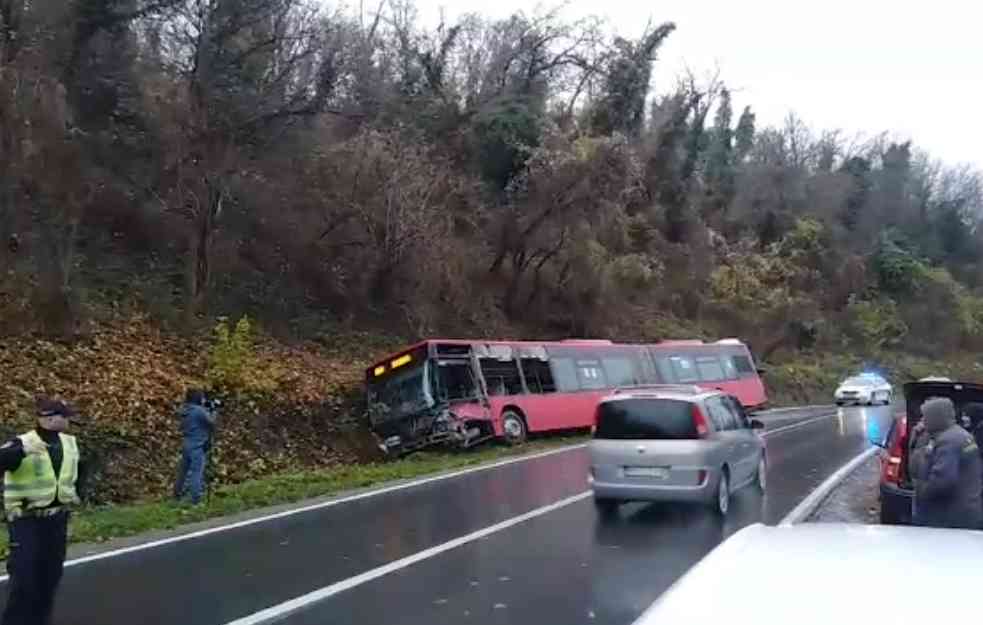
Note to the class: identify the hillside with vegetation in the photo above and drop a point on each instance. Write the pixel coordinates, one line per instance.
(352, 180)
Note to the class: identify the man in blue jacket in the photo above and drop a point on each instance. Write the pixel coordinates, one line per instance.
(949, 480)
(197, 429)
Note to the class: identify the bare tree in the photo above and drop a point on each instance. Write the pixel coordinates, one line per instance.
(242, 70)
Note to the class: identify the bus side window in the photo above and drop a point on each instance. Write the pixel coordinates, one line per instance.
(729, 369)
(684, 369)
(501, 376)
(539, 378)
(710, 369)
(591, 375)
(743, 366)
(565, 374)
(647, 367)
(666, 374)
(620, 370)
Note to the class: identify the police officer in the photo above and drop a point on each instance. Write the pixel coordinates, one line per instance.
(41, 469)
(949, 480)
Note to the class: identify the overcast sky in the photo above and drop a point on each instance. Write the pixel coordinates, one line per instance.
(915, 69)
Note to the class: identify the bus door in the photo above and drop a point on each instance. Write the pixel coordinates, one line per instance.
(457, 383)
(500, 377)
(541, 405)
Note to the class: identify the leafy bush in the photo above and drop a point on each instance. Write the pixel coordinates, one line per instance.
(876, 324)
(898, 270)
(806, 380)
(232, 362)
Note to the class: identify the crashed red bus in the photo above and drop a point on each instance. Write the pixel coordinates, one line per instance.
(460, 392)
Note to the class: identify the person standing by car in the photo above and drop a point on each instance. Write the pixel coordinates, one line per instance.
(973, 411)
(917, 450)
(949, 482)
(197, 429)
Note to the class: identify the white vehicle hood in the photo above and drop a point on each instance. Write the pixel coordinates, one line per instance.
(829, 574)
(855, 389)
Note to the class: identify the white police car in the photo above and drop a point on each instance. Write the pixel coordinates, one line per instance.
(865, 389)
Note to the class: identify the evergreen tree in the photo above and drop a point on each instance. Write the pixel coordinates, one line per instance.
(744, 134)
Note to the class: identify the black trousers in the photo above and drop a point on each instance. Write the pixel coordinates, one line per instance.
(37, 556)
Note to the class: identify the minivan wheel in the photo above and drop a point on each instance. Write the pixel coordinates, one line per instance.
(722, 505)
(762, 476)
(513, 427)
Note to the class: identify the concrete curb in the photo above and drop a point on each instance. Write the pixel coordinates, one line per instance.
(809, 505)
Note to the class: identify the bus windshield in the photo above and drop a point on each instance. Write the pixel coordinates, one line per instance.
(455, 381)
(400, 394)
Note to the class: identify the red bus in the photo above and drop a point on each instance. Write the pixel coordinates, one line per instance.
(461, 392)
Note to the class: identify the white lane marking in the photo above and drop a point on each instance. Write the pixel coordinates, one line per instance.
(808, 505)
(297, 603)
(791, 408)
(779, 418)
(311, 508)
(800, 424)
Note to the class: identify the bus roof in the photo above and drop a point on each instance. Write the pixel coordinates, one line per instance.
(562, 342)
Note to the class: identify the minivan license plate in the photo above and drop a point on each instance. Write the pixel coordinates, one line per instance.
(656, 472)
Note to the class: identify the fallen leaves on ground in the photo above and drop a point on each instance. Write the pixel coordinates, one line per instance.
(128, 379)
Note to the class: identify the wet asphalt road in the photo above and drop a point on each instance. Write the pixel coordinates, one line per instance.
(566, 566)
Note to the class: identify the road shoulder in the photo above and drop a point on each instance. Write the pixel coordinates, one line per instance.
(855, 499)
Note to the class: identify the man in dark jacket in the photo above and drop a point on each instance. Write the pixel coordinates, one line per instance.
(949, 482)
(197, 429)
(973, 411)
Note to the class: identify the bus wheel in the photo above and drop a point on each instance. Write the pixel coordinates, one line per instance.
(513, 427)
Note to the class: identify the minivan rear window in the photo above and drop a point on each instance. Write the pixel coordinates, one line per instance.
(649, 419)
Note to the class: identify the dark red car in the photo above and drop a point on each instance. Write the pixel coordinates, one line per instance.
(895, 488)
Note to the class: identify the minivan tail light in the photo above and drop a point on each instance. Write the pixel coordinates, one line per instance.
(891, 467)
(700, 422)
(891, 471)
(701, 477)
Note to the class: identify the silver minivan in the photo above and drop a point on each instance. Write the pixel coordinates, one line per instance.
(674, 443)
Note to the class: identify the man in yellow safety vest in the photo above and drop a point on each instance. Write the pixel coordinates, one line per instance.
(40, 470)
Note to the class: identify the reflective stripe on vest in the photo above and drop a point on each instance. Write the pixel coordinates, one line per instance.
(34, 484)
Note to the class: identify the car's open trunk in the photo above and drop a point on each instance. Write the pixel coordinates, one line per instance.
(961, 393)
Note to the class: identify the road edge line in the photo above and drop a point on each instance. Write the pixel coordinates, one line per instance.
(809, 505)
(291, 606)
(793, 408)
(311, 507)
(803, 423)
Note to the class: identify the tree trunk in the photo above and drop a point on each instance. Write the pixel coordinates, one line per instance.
(200, 252)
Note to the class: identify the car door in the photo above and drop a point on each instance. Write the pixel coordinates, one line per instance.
(749, 444)
(725, 425)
